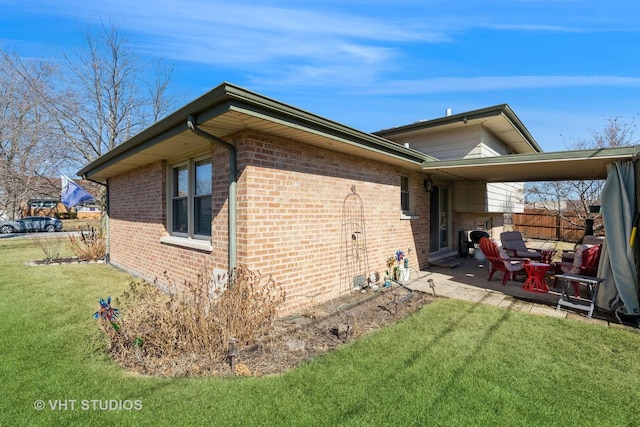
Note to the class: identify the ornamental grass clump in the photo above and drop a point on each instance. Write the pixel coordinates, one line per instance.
(187, 330)
(88, 245)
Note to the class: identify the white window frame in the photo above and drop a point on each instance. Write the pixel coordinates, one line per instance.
(188, 238)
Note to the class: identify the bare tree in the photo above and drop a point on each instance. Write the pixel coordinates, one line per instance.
(26, 143)
(570, 200)
(60, 118)
(161, 102)
(104, 102)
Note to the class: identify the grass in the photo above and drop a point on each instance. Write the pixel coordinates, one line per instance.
(452, 363)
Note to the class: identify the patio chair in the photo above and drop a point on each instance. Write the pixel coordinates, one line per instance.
(513, 243)
(585, 263)
(569, 254)
(501, 261)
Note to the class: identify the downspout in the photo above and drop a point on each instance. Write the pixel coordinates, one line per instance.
(104, 218)
(233, 178)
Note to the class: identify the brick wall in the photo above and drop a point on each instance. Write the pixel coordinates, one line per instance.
(467, 221)
(290, 217)
(137, 216)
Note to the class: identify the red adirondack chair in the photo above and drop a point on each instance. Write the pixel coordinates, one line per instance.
(585, 263)
(501, 261)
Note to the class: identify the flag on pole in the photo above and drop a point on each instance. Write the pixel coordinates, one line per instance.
(72, 193)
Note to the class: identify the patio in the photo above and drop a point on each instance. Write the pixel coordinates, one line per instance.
(468, 281)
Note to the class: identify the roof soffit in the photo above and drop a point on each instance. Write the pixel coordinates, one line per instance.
(554, 166)
(228, 109)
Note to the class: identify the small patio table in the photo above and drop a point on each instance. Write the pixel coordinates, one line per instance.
(593, 283)
(546, 255)
(535, 277)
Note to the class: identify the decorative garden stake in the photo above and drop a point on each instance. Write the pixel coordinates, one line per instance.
(107, 312)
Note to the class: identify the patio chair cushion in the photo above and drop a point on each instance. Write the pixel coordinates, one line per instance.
(585, 263)
(568, 255)
(514, 244)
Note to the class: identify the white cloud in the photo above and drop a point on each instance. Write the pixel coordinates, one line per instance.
(232, 32)
(333, 43)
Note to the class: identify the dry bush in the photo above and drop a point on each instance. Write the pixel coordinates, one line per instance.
(187, 331)
(51, 246)
(88, 245)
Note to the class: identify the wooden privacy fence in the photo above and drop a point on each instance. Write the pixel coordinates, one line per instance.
(542, 224)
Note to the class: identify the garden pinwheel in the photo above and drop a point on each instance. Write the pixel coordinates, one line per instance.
(107, 312)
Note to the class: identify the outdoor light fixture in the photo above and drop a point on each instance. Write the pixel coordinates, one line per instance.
(428, 184)
(232, 353)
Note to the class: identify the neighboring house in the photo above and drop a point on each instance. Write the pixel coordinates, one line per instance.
(238, 179)
(40, 196)
(560, 205)
(45, 200)
(53, 207)
(40, 206)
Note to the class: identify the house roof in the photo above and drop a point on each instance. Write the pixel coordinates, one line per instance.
(227, 109)
(552, 166)
(499, 120)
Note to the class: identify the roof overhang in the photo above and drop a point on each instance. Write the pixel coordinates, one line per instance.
(554, 166)
(500, 120)
(228, 109)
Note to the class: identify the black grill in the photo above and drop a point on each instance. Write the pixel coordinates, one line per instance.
(476, 235)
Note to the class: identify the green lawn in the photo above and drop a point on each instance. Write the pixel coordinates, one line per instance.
(453, 363)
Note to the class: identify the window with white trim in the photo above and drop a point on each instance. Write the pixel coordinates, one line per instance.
(191, 199)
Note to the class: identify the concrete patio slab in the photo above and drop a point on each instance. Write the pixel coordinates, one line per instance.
(468, 281)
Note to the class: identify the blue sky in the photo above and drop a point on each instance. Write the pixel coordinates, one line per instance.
(564, 66)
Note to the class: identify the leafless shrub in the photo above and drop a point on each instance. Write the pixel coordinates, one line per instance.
(51, 246)
(187, 331)
(88, 245)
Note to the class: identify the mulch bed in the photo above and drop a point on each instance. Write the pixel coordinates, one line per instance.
(299, 338)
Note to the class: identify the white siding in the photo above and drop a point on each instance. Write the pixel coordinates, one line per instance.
(492, 144)
(505, 197)
(447, 145)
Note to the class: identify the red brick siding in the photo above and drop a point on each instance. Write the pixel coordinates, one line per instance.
(290, 200)
(291, 214)
(137, 218)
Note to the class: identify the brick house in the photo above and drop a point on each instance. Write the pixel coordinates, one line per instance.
(238, 179)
